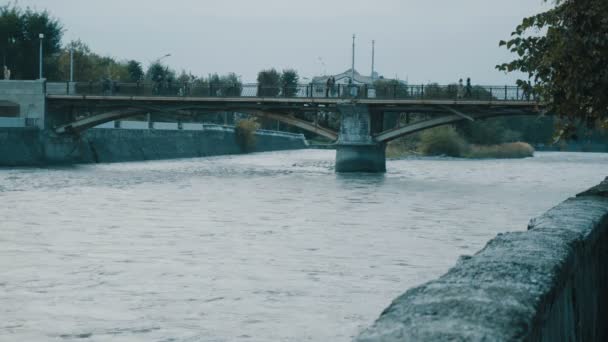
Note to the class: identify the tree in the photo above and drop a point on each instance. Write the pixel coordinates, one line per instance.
(269, 83)
(157, 72)
(19, 41)
(136, 72)
(289, 82)
(231, 85)
(89, 66)
(225, 85)
(386, 88)
(565, 58)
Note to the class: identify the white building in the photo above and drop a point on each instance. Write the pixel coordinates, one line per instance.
(342, 79)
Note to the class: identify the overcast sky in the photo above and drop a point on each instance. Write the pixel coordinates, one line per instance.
(418, 40)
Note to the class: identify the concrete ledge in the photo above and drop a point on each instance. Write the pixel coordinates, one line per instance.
(546, 284)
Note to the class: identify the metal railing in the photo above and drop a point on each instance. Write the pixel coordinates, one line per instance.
(312, 90)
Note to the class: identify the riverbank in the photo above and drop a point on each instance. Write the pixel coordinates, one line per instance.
(502, 151)
(34, 147)
(446, 141)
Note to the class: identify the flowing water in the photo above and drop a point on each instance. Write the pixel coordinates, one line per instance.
(262, 247)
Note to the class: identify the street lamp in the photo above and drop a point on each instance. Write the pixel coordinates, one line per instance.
(160, 58)
(72, 64)
(41, 36)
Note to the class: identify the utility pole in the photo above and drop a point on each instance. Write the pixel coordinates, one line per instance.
(41, 36)
(352, 74)
(72, 64)
(373, 53)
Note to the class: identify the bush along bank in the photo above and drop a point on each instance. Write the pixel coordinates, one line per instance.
(447, 141)
(245, 134)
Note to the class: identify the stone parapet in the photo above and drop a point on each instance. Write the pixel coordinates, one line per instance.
(549, 283)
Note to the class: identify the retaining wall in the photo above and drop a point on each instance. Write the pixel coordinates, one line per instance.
(27, 147)
(549, 283)
(29, 95)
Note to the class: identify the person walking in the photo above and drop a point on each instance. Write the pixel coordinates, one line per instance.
(327, 86)
(7, 73)
(460, 90)
(468, 93)
(332, 87)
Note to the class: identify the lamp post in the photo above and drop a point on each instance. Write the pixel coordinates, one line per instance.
(72, 64)
(160, 58)
(352, 76)
(373, 56)
(41, 36)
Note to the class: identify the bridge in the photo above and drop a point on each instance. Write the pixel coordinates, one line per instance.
(362, 110)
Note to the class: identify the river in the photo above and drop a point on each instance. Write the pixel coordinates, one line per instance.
(260, 247)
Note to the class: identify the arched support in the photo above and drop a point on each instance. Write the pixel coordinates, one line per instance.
(95, 120)
(392, 134)
(293, 121)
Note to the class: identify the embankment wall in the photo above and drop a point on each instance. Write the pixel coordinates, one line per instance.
(31, 147)
(549, 283)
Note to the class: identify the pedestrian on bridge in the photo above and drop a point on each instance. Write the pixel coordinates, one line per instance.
(332, 90)
(329, 85)
(460, 90)
(468, 89)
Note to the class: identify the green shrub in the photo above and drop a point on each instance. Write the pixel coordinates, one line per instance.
(508, 150)
(245, 134)
(404, 146)
(442, 140)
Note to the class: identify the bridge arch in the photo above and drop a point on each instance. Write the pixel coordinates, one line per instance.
(395, 133)
(83, 124)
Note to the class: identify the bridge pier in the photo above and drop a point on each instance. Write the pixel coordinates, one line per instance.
(356, 151)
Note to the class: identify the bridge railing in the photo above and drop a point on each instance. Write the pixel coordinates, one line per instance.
(311, 90)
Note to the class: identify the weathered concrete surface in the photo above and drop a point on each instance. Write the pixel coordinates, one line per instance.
(20, 146)
(549, 283)
(361, 158)
(356, 151)
(31, 147)
(29, 95)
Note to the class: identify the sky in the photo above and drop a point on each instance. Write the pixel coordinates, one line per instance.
(420, 41)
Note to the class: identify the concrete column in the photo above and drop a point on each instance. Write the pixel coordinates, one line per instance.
(356, 151)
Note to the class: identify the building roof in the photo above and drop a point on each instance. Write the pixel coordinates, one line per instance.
(344, 77)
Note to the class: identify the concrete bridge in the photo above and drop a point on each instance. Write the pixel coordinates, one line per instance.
(362, 111)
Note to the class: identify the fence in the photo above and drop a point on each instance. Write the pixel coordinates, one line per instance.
(312, 90)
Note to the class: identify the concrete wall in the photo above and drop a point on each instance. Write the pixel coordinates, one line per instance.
(165, 125)
(29, 95)
(549, 283)
(134, 124)
(12, 122)
(22, 147)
